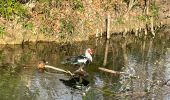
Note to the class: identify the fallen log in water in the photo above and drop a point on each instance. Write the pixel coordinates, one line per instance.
(58, 69)
(42, 65)
(110, 71)
(76, 73)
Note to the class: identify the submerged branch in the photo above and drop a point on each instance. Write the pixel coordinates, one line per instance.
(42, 66)
(58, 69)
(110, 71)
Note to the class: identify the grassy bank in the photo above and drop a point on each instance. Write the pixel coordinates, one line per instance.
(75, 20)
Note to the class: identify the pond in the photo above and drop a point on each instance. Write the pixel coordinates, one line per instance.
(145, 60)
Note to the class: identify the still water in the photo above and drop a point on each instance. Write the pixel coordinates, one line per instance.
(145, 60)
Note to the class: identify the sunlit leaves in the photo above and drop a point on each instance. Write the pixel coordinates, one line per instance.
(11, 8)
(78, 5)
(154, 10)
(67, 27)
(28, 25)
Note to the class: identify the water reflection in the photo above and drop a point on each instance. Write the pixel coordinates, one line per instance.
(145, 61)
(167, 73)
(98, 82)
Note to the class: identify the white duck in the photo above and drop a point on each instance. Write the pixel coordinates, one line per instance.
(80, 60)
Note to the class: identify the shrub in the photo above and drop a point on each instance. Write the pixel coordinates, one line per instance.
(67, 28)
(154, 10)
(78, 5)
(28, 25)
(11, 8)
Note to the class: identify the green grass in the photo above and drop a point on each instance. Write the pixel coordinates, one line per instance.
(9, 9)
(2, 30)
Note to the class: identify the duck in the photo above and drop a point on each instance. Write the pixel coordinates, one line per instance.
(80, 60)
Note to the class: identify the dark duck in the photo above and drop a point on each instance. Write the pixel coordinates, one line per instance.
(80, 60)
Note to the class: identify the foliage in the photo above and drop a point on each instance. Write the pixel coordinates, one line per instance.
(2, 56)
(67, 28)
(142, 17)
(131, 3)
(119, 21)
(105, 5)
(59, 3)
(28, 25)
(43, 1)
(26, 57)
(46, 30)
(2, 30)
(54, 3)
(46, 11)
(10, 8)
(78, 5)
(154, 10)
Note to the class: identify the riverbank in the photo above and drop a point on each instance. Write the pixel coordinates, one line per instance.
(68, 21)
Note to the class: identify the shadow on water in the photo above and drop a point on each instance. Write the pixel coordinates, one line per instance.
(146, 62)
(76, 82)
